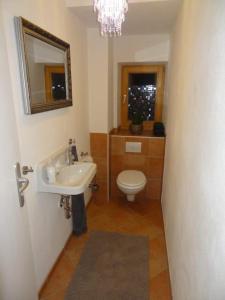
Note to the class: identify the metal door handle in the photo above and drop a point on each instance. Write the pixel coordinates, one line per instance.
(22, 184)
(124, 98)
(27, 170)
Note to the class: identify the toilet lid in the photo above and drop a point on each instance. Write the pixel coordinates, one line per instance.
(131, 178)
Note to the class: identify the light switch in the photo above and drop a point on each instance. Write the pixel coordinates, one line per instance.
(133, 147)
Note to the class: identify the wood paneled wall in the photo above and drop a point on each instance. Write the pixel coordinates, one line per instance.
(99, 152)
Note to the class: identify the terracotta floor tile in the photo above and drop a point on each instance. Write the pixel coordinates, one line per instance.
(60, 277)
(142, 217)
(57, 295)
(160, 287)
(158, 256)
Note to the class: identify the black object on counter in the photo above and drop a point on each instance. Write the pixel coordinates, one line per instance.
(79, 214)
(159, 129)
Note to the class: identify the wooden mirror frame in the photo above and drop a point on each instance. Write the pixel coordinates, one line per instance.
(25, 27)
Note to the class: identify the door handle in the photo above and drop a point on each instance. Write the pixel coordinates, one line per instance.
(124, 98)
(22, 184)
(27, 170)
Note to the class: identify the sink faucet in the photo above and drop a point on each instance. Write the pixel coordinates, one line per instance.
(72, 152)
(69, 153)
(83, 154)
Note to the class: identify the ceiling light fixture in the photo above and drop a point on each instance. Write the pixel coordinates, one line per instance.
(111, 15)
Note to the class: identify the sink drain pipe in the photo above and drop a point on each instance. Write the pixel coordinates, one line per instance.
(94, 187)
(65, 203)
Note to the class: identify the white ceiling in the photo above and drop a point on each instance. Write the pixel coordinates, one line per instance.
(143, 17)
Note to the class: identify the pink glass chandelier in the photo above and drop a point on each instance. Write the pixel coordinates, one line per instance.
(111, 15)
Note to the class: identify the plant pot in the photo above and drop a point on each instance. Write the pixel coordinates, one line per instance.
(136, 128)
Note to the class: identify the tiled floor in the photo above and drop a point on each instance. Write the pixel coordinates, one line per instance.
(139, 218)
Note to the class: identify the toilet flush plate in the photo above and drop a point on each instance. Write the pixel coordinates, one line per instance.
(133, 147)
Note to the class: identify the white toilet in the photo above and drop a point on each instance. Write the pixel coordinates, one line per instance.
(131, 182)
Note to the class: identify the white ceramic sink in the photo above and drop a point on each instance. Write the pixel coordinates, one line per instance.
(70, 179)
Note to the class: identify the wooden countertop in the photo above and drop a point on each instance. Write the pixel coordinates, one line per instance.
(126, 132)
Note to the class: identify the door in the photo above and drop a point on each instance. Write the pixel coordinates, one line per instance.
(17, 279)
(142, 88)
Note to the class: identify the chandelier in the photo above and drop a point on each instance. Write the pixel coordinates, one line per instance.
(111, 15)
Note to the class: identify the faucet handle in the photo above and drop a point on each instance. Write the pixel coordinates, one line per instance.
(72, 141)
(82, 154)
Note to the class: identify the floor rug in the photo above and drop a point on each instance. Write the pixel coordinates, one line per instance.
(112, 266)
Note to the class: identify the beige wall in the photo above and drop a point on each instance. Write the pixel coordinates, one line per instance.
(193, 193)
(104, 56)
(111, 86)
(100, 82)
(98, 64)
(99, 152)
(41, 134)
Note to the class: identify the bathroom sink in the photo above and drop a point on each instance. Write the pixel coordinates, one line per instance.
(69, 180)
(74, 175)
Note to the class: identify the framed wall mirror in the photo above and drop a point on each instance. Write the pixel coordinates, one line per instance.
(45, 68)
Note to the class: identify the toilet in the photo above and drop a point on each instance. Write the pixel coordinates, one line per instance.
(131, 182)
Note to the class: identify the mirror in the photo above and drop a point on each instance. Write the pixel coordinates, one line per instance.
(44, 67)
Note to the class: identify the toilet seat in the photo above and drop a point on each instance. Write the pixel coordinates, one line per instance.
(131, 178)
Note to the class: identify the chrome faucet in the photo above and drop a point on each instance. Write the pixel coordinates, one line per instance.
(72, 152)
(69, 153)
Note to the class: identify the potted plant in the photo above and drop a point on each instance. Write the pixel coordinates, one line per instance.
(136, 126)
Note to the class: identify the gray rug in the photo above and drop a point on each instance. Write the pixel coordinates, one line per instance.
(112, 267)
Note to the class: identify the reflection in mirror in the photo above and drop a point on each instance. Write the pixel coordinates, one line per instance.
(55, 83)
(45, 67)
